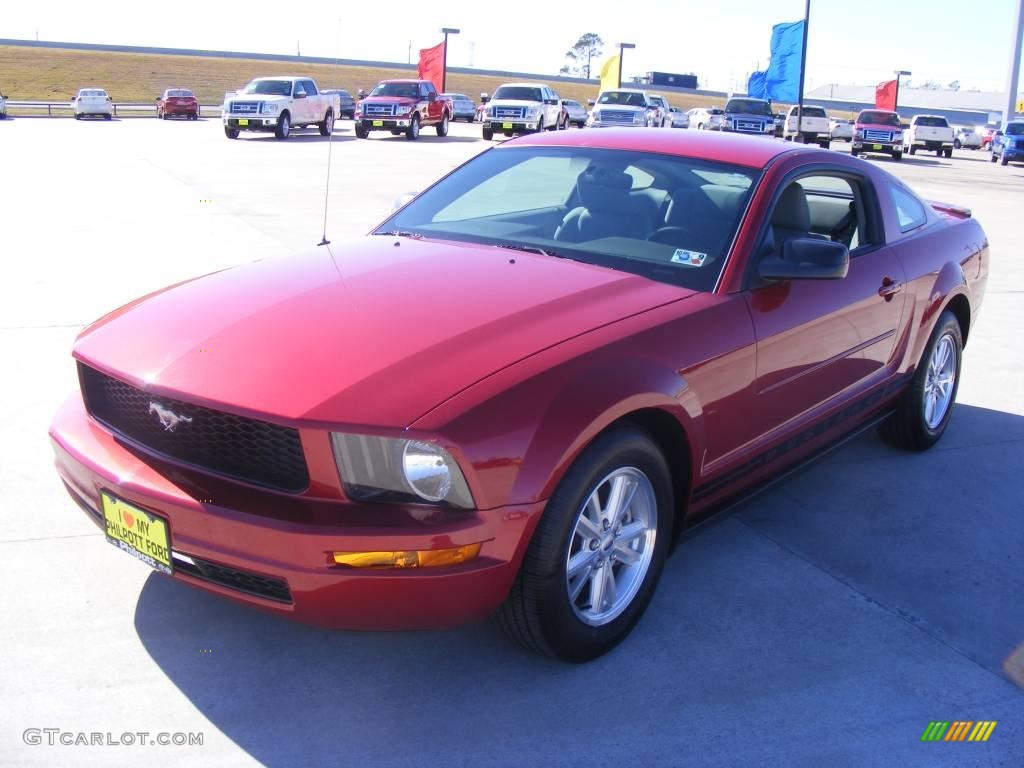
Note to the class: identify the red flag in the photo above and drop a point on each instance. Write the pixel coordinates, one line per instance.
(432, 65)
(885, 95)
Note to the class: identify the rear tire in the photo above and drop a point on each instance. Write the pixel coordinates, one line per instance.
(231, 133)
(284, 127)
(913, 150)
(948, 152)
(108, 116)
(327, 126)
(913, 426)
(488, 134)
(957, 144)
(992, 158)
(541, 613)
(1003, 160)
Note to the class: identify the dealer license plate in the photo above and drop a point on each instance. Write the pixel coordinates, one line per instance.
(876, 146)
(140, 534)
(243, 122)
(507, 126)
(378, 123)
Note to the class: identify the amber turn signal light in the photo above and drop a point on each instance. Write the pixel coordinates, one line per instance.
(408, 558)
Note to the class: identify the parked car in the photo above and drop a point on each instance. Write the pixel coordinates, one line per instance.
(659, 111)
(575, 112)
(780, 124)
(678, 118)
(988, 136)
(624, 107)
(750, 116)
(463, 107)
(279, 104)
(92, 102)
(840, 129)
(537, 447)
(403, 107)
(877, 131)
(177, 102)
(931, 133)
(517, 108)
(1009, 148)
(707, 119)
(346, 104)
(967, 137)
(814, 126)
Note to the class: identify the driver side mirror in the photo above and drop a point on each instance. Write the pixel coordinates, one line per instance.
(431, 96)
(300, 95)
(590, 102)
(807, 258)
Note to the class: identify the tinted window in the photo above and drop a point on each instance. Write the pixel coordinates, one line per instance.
(872, 117)
(933, 122)
(909, 211)
(627, 98)
(398, 90)
(748, 107)
(269, 87)
(518, 93)
(813, 112)
(591, 205)
(428, 88)
(180, 93)
(310, 87)
(1015, 129)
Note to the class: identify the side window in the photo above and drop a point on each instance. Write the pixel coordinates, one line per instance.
(298, 89)
(909, 211)
(310, 87)
(822, 206)
(427, 89)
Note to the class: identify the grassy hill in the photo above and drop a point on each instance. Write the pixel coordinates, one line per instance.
(54, 74)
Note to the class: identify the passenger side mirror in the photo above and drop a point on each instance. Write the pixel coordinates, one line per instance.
(807, 258)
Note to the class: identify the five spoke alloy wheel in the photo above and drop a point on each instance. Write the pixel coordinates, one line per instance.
(939, 381)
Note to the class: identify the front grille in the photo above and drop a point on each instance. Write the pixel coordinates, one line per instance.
(379, 110)
(617, 117)
(749, 126)
(245, 107)
(883, 136)
(510, 113)
(232, 578)
(246, 449)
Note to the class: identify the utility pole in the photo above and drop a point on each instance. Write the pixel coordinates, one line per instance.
(1011, 79)
(803, 66)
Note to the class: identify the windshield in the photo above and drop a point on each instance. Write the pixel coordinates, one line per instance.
(269, 87)
(180, 93)
(933, 122)
(625, 98)
(748, 107)
(1015, 129)
(870, 117)
(667, 218)
(518, 93)
(571, 103)
(398, 90)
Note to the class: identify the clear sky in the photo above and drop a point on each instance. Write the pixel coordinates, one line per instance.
(720, 40)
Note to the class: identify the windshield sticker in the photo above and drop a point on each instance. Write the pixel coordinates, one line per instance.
(689, 258)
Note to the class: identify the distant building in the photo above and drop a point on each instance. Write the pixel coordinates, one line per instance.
(959, 107)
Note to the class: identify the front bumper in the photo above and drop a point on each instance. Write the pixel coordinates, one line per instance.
(253, 123)
(281, 563)
(860, 145)
(510, 126)
(383, 123)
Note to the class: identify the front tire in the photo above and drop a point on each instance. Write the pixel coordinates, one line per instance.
(1003, 159)
(488, 134)
(925, 409)
(413, 131)
(327, 126)
(597, 553)
(442, 127)
(957, 144)
(284, 127)
(361, 132)
(231, 133)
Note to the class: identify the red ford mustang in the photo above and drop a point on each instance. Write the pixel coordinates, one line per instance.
(518, 390)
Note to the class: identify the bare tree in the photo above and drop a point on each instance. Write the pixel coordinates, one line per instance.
(580, 57)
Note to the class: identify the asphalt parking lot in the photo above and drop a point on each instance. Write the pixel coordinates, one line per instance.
(824, 624)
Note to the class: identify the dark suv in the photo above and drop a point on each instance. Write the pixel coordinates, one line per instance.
(348, 104)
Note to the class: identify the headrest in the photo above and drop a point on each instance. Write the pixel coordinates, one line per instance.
(792, 211)
(689, 206)
(604, 190)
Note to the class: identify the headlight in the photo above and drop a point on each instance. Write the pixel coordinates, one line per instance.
(639, 118)
(400, 110)
(533, 113)
(394, 470)
(490, 112)
(268, 109)
(858, 134)
(898, 136)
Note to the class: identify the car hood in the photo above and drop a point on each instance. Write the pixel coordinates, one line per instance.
(877, 127)
(513, 103)
(376, 331)
(388, 100)
(623, 107)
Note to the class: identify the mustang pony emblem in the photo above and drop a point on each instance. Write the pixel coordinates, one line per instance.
(169, 420)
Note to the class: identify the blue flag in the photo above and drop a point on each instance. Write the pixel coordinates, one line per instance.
(757, 85)
(782, 80)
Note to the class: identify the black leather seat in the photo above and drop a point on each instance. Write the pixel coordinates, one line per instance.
(606, 209)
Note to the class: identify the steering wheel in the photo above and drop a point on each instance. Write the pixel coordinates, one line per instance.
(681, 237)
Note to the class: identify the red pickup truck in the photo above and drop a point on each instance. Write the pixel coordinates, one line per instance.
(403, 106)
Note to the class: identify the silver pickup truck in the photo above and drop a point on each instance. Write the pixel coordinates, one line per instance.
(279, 104)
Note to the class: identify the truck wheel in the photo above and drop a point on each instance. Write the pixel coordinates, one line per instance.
(1003, 160)
(948, 152)
(913, 150)
(231, 133)
(489, 134)
(957, 144)
(540, 126)
(897, 156)
(442, 127)
(327, 126)
(361, 132)
(825, 144)
(284, 127)
(413, 131)
(992, 157)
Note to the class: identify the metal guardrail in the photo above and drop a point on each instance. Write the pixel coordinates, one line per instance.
(65, 108)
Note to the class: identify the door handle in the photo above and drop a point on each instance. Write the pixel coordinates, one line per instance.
(889, 288)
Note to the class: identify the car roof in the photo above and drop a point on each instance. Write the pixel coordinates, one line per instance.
(402, 80)
(748, 151)
(524, 85)
(284, 77)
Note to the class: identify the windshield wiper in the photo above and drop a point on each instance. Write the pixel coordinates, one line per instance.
(529, 249)
(401, 233)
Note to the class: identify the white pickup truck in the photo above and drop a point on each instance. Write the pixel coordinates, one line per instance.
(931, 133)
(279, 104)
(814, 127)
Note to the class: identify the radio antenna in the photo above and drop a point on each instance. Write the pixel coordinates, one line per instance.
(330, 137)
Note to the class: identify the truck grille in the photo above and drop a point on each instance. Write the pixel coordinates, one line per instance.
(246, 449)
(749, 126)
(379, 110)
(510, 113)
(616, 117)
(882, 136)
(244, 107)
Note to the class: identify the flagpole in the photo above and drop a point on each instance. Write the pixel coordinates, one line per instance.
(803, 65)
(444, 62)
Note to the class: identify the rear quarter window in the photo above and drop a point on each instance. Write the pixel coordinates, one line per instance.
(909, 210)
